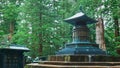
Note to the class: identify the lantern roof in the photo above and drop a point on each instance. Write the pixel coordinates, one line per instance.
(80, 19)
(15, 47)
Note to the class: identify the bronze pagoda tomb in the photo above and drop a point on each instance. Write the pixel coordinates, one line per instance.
(81, 44)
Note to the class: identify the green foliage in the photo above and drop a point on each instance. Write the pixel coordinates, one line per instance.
(10, 12)
(40, 22)
(4, 41)
(38, 26)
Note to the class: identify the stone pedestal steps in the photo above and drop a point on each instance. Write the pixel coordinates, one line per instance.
(63, 64)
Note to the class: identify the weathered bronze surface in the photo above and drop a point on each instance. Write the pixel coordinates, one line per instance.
(81, 34)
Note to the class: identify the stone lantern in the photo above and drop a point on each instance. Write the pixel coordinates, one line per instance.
(12, 56)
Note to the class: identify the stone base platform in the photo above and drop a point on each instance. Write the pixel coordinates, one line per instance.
(63, 64)
(84, 58)
(77, 61)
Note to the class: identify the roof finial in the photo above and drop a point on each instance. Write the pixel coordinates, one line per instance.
(81, 10)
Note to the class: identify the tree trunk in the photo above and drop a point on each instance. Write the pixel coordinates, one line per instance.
(116, 25)
(100, 34)
(11, 31)
(40, 36)
(40, 44)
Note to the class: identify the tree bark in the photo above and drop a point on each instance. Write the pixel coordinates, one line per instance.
(116, 25)
(100, 34)
(40, 44)
(40, 36)
(11, 31)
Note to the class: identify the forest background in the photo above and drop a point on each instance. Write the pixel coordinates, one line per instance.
(39, 25)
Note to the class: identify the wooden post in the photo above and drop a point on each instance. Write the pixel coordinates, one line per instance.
(100, 34)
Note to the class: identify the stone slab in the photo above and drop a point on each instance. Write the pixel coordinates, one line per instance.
(36, 65)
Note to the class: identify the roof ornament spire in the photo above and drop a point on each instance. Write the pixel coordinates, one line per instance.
(81, 9)
(80, 18)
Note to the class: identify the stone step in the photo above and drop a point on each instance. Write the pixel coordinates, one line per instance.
(79, 63)
(84, 58)
(36, 65)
